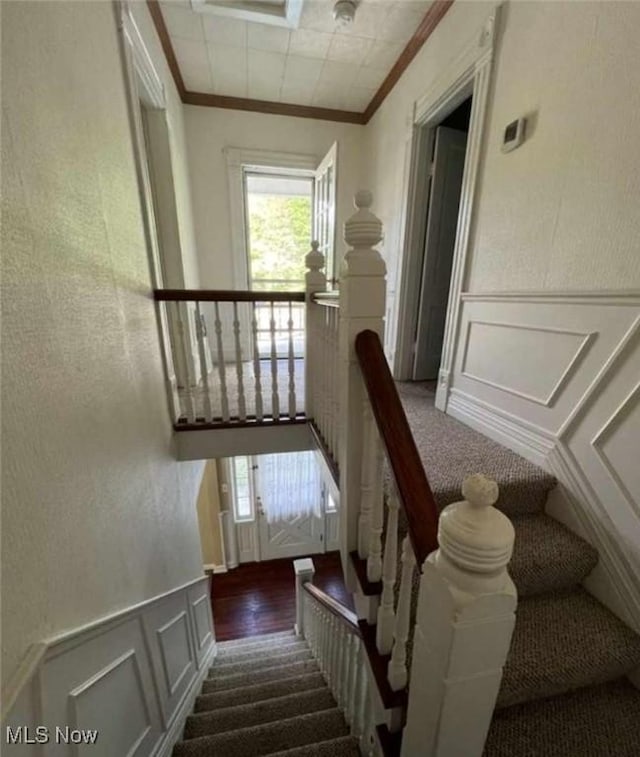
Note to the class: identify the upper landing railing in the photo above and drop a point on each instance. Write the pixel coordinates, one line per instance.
(237, 356)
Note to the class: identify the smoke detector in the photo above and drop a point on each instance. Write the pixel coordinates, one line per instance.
(344, 11)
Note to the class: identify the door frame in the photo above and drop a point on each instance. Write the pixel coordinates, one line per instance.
(240, 160)
(468, 75)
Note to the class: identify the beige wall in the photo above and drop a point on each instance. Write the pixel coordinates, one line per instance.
(210, 130)
(208, 516)
(96, 513)
(560, 212)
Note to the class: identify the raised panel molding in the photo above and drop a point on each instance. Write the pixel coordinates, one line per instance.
(583, 423)
(120, 679)
(133, 676)
(202, 623)
(175, 651)
(525, 352)
(625, 471)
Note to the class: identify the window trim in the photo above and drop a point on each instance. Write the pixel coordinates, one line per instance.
(239, 161)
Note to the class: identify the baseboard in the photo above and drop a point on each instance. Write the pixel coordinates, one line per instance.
(213, 568)
(172, 735)
(530, 441)
(613, 582)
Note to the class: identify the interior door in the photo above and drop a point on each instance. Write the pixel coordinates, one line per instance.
(324, 211)
(442, 218)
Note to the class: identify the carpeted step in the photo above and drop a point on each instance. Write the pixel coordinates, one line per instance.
(254, 664)
(255, 713)
(265, 639)
(599, 721)
(451, 450)
(268, 738)
(258, 692)
(563, 642)
(261, 676)
(345, 746)
(238, 654)
(547, 557)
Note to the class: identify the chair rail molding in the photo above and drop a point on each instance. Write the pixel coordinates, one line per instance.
(142, 666)
(468, 74)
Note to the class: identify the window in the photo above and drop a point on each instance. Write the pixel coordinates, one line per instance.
(242, 496)
(278, 218)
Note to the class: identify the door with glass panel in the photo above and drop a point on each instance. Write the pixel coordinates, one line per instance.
(279, 506)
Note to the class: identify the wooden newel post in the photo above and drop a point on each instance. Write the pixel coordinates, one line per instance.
(315, 281)
(465, 618)
(304, 571)
(362, 306)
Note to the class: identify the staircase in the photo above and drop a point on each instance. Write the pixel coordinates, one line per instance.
(265, 695)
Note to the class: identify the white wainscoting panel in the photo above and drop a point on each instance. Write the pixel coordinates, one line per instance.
(132, 677)
(526, 346)
(556, 377)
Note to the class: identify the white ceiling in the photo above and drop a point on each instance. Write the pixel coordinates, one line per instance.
(316, 64)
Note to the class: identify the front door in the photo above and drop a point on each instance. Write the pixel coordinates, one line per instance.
(444, 199)
(297, 536)
(289, 504)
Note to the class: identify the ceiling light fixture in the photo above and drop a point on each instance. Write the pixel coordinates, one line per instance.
(344, 11)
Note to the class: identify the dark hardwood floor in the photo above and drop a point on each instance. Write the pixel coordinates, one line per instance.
(260, 597)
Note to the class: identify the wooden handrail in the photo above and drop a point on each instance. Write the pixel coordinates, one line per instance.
(336, 608)
(328, 299)
(225, 295)
(414, 491)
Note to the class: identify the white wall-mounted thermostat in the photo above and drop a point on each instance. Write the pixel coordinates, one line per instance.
(513, 135)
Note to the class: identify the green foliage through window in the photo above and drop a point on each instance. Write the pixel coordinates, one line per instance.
(279, 239)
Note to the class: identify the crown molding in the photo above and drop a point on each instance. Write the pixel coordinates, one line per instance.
(426, 28)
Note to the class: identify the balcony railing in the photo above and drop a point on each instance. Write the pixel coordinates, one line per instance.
(238, 356)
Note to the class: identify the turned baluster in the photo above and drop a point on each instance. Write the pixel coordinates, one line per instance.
(222, 373)
(386, 612)
(397, 671)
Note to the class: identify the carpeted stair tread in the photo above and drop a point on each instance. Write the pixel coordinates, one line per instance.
(223, 668)
(255, 713)
(563, 642)
(238, 654)
(268, 738)
(258, 692)
(450, 450)
(261, 676)
(345, 746)
(598, 721)
(547, 557)
(261, 640)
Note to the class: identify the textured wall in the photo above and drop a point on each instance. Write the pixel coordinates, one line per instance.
(210, 130)
(96, 514)
(560, 212)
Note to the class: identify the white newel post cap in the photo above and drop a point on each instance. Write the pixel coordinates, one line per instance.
(363, 229)
(474, 535)
(314, 259)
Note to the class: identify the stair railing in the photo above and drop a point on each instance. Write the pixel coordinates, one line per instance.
(466, 601)
(334, 637)
(238, 356)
